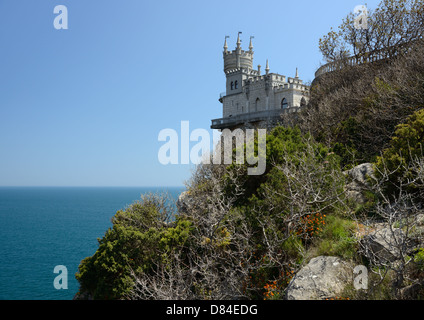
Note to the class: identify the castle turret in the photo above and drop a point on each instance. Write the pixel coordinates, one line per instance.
(237, 59)
(238, 65)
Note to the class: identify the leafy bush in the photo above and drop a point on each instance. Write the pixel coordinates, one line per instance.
(406, 146)
(141, 236)
(419, 259)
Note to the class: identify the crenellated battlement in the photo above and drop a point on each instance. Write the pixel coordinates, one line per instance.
(247, 71)
(238, 59)
(242, 53)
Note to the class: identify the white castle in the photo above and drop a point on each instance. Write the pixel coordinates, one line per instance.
(253, 99)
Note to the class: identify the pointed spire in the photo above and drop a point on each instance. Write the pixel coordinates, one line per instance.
(297, 74)
(267, 67)
(225, 44)
(238, 40)
(250, 44)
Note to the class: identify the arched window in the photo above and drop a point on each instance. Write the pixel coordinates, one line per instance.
(232, 85)
(236, 84)
(257, 104)
(284, 104)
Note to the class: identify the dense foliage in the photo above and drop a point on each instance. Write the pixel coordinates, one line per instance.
(141, 235)
(257, 238)
(239, 236)
(406, 146)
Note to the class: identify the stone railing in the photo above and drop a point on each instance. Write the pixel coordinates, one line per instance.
(351, 61)
(250, 117)
(368, 57)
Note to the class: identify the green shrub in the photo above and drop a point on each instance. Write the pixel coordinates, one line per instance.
(141, 236)
(337, 238)
(419, 259)
(406, 145)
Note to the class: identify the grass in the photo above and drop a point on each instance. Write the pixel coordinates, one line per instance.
(336, 239)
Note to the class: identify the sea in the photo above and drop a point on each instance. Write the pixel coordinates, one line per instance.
(45, 232)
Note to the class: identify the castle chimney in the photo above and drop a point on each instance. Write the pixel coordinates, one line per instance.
(259, 69)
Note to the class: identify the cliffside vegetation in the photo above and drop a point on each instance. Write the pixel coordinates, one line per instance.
(235, 236)
(355, 110)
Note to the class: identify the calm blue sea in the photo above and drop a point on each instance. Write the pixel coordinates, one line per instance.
(42, 227)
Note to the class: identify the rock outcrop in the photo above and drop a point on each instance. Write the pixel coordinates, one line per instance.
(388, 244)
(183, 202)
(358, 177)
(417, 233)
(322, 278)
(383, 244)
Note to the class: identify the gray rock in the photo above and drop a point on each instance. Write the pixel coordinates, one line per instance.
(412, 291)
(183, 202)
(383, 244)
(323, 277)
(418, 231)
(361, 173)
(358, 177)
(355, 193)
(420, 219)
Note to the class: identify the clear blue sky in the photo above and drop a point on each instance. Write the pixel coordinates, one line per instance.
(84, 106)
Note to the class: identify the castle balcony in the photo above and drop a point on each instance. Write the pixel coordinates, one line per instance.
(222, 95)
(250, 117)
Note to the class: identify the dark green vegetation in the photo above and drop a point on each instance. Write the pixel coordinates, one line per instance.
(133, 244)
(225, 242)
(239, 236)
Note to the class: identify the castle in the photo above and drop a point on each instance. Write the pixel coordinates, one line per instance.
(253, 99)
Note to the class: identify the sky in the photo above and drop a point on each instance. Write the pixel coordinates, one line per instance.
(84, 106)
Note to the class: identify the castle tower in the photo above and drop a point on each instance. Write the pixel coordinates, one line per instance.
(238, 64)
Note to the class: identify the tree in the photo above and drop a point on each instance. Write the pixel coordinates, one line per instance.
(355, 109)
(397, 236)
(137, 240)
(390, 27)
